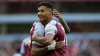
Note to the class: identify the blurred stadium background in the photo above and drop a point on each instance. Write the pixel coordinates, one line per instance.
(82, 16)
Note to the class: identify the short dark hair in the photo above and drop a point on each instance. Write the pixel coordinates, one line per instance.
(47, 4)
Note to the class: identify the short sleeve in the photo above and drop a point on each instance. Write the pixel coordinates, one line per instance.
(39, 31)
(22, 50)
(50, 29)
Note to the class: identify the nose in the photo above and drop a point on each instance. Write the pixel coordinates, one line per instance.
(39, 14)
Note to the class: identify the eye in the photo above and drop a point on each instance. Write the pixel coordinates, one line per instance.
(37, 10)
(42, 11)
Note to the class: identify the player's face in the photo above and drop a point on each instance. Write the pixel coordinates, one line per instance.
(44, 13)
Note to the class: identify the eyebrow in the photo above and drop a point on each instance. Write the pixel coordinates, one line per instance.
(40, 9)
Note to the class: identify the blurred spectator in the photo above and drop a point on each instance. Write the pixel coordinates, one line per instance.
(3, 51)
(17, 53)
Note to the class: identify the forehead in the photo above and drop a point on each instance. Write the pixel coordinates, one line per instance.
(42, 8)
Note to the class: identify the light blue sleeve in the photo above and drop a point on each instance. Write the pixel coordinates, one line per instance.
(50, 29)
(39, 31)
(22, 50)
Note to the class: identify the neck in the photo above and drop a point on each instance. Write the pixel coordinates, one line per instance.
(45, 22)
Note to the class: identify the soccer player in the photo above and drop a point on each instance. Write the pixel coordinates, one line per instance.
(25, 46)
(53, 30)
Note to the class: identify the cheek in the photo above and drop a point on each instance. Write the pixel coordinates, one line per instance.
(48, 13)
(45, 14)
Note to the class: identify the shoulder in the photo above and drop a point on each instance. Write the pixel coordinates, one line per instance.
(36, 22)
(51, 26)
(52, 22)
(35, 25)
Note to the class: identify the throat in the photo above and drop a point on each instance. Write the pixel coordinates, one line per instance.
(45, 22)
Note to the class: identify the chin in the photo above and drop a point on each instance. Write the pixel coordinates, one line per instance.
(41, 20)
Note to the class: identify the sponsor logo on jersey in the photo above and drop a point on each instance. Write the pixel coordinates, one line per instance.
(49, 27)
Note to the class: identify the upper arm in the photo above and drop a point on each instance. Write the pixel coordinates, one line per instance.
(50, 32)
